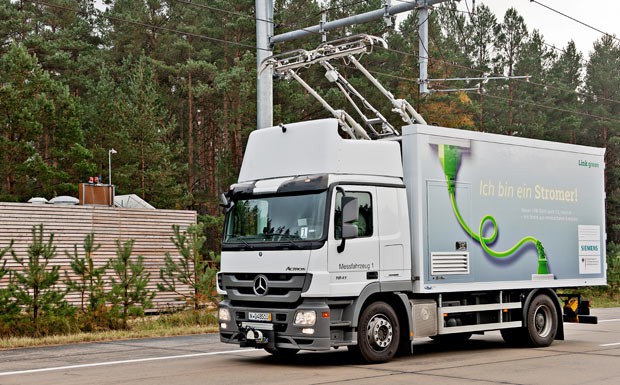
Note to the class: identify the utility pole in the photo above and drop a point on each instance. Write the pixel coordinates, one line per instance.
(264, 86)
(423, 50)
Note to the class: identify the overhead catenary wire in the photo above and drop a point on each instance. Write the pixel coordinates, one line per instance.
(584, 114)
(575, 20)
(212, 8)
(253, 17)
(529, 81)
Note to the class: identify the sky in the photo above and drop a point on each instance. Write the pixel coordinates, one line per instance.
(556, 29)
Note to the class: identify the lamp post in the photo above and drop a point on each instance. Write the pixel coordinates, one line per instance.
(110, 152)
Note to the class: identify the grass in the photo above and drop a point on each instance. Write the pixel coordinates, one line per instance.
(182, 323)
(601, 299)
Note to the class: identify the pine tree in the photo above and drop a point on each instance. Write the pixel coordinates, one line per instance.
(565, 79)
(130, 294)
(534, 59)
(150, 165)
(9, 308)
(89, 282)
(190, 269)
(34, 286)
(602, 84)
(41, 142)
(511, 35)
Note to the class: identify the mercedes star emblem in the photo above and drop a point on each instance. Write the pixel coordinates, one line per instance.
(260, 285)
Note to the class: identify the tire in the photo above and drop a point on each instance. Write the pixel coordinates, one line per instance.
(378, 334)
(281, 352)
(542, 321)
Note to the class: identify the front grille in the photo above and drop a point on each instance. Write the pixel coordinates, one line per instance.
(283, 288)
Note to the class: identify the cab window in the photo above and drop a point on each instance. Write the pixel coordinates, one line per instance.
(364, 223)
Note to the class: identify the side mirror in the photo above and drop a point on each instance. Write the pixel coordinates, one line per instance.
(350, 214)
(225, 202)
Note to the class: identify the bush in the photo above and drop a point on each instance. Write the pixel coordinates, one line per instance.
(613, 268)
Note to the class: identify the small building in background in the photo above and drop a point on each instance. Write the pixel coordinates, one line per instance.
(110, 218)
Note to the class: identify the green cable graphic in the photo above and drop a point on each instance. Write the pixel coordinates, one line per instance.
(450, 158)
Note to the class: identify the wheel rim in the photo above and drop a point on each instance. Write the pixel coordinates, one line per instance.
(379, 332)
(542, 320)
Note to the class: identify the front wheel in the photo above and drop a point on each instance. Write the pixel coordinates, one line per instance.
(542, 321)
(379, 333)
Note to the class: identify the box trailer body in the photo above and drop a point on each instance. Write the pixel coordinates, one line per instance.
(551, 192)
(332, 242)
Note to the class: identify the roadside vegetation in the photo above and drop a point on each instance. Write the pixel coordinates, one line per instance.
(111, 299)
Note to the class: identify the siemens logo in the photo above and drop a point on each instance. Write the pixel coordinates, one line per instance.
(589, 248)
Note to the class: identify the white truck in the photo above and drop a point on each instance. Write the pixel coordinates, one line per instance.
(442, 233)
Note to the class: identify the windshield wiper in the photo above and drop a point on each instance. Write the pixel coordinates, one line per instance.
(237, 237)
(288, 238)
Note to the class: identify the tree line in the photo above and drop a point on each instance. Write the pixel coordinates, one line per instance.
(170, 85)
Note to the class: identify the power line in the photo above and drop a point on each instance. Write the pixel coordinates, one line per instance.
(305, 21)
(575, 20)
(584, 114)
(234, 13)
(474, 19)
(204, 6)
(553, 108)
(549, 86)
(344, 6)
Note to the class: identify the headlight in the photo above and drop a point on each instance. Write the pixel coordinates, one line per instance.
(224, 314)
(305, 318)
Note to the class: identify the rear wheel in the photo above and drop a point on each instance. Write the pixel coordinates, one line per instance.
(542, 325)
(542, 321)
(379, 333)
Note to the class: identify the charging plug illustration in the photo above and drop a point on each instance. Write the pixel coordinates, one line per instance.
(450, 159)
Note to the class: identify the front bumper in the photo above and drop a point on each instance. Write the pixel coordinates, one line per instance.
(280, 332)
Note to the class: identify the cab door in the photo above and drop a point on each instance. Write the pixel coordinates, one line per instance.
(356, 264)
(393, 226)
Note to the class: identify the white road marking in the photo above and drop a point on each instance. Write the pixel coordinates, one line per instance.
(609, 320)
(614, 344)
(124, 362)
(599, 321)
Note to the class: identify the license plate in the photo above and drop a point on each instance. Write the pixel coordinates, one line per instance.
(253, 316)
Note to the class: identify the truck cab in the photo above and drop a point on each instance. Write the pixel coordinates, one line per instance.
(316, 225)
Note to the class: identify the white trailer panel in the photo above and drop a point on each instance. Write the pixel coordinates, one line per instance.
(493, 212)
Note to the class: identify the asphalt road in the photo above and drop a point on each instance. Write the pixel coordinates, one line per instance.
(589, 355)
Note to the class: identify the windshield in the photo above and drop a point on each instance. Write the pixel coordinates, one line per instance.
(277, 219)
